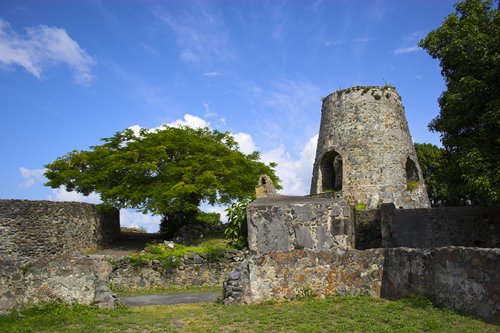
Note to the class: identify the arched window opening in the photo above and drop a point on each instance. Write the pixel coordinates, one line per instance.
(331, 171)
(412, 178)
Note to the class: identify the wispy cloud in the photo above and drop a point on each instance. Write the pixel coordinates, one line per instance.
(283, 108)
(200, 33)
(279, 18)
(404, 50)
(360, 40)
(212, 74)
(409, 44)
(31, 176)
(42, 47)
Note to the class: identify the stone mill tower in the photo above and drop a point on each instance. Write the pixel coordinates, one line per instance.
(365, 152)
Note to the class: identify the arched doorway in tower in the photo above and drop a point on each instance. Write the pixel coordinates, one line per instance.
(331, 171)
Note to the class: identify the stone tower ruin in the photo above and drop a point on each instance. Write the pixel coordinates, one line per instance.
(365, 151)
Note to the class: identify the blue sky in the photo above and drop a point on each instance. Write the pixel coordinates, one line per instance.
(72, 72)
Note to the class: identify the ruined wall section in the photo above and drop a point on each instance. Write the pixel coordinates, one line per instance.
(470, 226)
(464, 279)
(38, 228)
(364, 133)
(286, 223)
(71, 279)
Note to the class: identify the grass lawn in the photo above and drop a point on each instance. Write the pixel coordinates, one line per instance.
(352, 314)
(169, 290)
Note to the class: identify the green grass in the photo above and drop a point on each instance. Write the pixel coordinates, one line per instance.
(168, 290)
(351, 314)
(211, 248)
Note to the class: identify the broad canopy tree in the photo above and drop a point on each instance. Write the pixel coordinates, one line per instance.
(167, 172)
(468, 47)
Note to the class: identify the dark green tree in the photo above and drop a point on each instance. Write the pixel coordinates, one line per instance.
(168, 172)
(433, 165)
(467, 45)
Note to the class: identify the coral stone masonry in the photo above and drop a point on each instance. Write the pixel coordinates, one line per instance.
(365, 150)
(31, 229)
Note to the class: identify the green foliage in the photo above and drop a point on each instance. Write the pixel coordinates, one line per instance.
(25, 268)
(467, 46)
(210, 219)
(412, 185)
(360, 206)
(167, 172)
(237, 227)
(333, 314)
(438, 175)
(166, 259)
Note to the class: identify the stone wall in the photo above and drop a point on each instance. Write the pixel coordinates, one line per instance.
(71, 279)
(365, 150)
(195, 270)
(40, 228)
(464, 279)
(441, 226)
(279, 275)
(285, 223)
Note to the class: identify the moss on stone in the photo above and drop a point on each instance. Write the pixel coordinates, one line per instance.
(412, 185)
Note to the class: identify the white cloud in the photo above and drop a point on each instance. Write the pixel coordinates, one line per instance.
(60, 194)
(212, 74)
(295, 175)
(246, 143)
(42, 47)
(31, 176)
(190, 121)
(131, 218)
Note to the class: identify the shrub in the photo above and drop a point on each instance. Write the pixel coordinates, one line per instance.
(236, 228)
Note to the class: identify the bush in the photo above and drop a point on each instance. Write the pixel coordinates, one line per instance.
(236, 228)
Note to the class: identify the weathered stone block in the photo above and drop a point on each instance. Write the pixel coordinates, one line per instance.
(284, 223)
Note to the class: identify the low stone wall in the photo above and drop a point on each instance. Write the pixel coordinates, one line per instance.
(470, 226)
(38, 228)
(285, 223)
(72, 279)
(194, 270)
(464, 279)
(289, 275)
